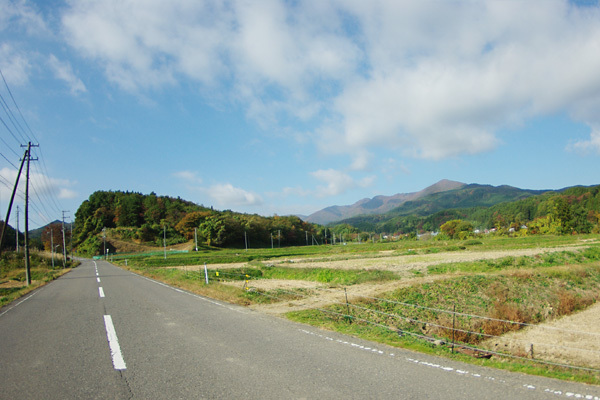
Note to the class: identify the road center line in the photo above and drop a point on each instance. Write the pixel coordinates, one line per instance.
(101, 291)
(98, 279)
(113, 343)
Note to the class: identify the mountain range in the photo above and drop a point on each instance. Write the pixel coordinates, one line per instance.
(448, 193)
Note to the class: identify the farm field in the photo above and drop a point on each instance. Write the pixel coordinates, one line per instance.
(518, 299)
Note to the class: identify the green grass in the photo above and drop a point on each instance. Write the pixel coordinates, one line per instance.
(530, 289)
(12, 269)
(390, 337)
(352, 250)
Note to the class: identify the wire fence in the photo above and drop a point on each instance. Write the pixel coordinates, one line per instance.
(459, 331)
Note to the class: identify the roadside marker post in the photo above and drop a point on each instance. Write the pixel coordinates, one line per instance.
(205, 274)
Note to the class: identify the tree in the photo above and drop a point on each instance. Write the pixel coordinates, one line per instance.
(192, 221)
(457, 229)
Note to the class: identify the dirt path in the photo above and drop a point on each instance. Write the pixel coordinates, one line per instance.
(575, 340)
(397, 263)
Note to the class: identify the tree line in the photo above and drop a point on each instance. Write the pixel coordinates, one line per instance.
(151, 219)
(569, 211)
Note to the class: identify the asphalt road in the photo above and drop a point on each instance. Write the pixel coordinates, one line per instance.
(102, 332)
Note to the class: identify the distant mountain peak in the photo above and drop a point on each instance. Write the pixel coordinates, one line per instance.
(379, 204)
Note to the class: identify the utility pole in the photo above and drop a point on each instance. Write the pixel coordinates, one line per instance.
(64, 241)
(52, 246)
(17, 229)
(165, 239)
(27, 264)
(71, 239)
(196, 237)
(12, 198)
(104, 237)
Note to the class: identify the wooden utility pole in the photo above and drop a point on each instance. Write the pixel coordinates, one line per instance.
(12, 198)
(64, 241)
(17, 230)
(27, 264)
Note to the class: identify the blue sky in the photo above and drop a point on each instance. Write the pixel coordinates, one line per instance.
(286, 107)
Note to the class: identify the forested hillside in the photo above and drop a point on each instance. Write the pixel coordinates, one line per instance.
(571, 210)
(148, 218)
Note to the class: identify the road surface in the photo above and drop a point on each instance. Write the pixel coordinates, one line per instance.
(103, 332)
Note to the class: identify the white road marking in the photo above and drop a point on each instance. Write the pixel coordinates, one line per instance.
(101, 291)
(98, 279)
(452, 370)
(25, 299)
(113, 343)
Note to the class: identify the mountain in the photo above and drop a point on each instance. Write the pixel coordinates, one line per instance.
(378, 204)
(37, 233)
(563, 211)
(430, 211)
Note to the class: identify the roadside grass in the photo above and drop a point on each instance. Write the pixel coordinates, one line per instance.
(13, 279)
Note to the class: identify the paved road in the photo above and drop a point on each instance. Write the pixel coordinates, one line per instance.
(102, 332)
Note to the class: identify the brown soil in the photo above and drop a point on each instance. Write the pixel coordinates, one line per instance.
(574, 339)
(12, 284)
(567, 335)
(127, 246)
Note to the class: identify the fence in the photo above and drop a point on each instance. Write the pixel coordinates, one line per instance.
(460, 331)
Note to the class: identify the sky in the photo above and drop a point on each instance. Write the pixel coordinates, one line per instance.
(286, 107)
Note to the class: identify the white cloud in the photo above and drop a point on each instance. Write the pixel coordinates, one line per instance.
(145, 44)
(67, 194)
(587, 146)
(20, 15)
(15, 65)
(41, 186)
(337, 182)
(227, 195)
(63, 71)
(426, 79)
(189, 176)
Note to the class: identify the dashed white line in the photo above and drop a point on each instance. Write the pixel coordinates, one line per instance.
(98, 279)
(113, 343)
(452, 370)
(101, 291)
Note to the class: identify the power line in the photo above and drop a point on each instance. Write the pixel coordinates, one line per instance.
(12, 119)
(17, 106)
(3, 156)
(45, 197)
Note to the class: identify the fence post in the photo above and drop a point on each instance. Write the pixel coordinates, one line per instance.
(347, 306)
(453, 325)
(205, 274)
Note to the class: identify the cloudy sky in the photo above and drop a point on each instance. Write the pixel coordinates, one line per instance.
(286, 107)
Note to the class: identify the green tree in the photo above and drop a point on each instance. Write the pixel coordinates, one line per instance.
(457, 229)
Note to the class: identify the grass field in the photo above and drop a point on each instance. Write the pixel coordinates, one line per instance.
(403, 293)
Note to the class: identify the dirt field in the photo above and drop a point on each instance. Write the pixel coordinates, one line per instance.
(567, 335)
